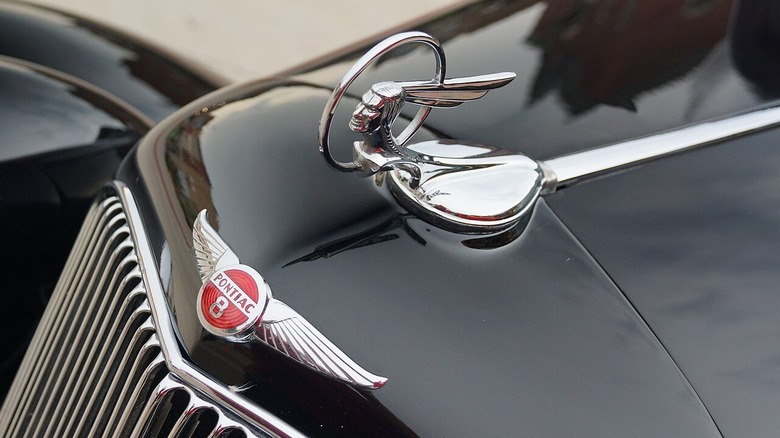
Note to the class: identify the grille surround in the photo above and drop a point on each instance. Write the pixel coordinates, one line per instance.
(105, 360)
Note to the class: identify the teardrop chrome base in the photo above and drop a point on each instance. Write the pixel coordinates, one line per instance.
(468, 188)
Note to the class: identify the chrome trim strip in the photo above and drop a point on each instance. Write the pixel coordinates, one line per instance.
(569, 169)
(139, 376)
(177, 365)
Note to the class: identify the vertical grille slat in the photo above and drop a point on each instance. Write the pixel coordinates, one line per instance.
(129, 394)
(84, 361)
(189, 419)
(72, 363)
(132, 313)
(31, 394)
(155, 412)
(71, 336)
(110, 386)
(95, 366)
(68, 272)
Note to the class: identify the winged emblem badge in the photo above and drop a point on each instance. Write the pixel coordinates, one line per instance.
(235, 303)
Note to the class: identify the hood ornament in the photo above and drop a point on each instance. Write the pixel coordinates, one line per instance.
(477, 189)
(236, 304)
(457, 185)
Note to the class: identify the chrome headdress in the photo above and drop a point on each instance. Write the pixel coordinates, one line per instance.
(377, 112)
(443, 184)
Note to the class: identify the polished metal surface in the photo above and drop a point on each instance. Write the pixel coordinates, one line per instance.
(375, 115)
(496, 192)
(571, 168)
(244, 310)
(359, 67)
(439, 180)
(97, 363)
(381, 105)
(232, 297)
(193, 377)
(189, 412)
(474, 189)
(211, 251)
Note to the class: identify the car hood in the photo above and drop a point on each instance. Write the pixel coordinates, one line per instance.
(522, 332)
(691, 242)
(591, 318)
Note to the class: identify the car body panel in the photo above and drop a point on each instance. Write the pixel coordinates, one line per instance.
(362, 270)
(498, 335)
(61, 141)
(590, 318)
(144, 76)
(63, 137)
(691, 240)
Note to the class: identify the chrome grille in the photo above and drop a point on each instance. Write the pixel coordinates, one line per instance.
(95, 366)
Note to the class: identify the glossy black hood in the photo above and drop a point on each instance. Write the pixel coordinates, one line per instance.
(494, 336)
(523, 333)
(146, 77)
(692, 242)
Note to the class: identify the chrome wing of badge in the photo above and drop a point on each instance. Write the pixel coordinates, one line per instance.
(211, 252)
(288, 332)
(235, 303)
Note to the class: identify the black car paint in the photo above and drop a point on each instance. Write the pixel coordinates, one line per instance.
(61, 142)
(148, 79)
(523, 333)
(692, 241)
(390, 266)
(660, 69)
(443, 315)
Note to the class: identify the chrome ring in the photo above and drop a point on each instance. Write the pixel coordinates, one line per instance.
(361, 65)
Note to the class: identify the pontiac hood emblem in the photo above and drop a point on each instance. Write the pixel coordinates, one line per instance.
(235, 303)
(230, 301)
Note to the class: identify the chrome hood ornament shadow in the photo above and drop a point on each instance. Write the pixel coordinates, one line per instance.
(236, 304)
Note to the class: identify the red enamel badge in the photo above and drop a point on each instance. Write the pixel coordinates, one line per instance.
(231, 301)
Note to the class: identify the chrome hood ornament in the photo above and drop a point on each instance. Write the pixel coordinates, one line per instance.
(476, 189)
(236, 304)
(456, 185)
